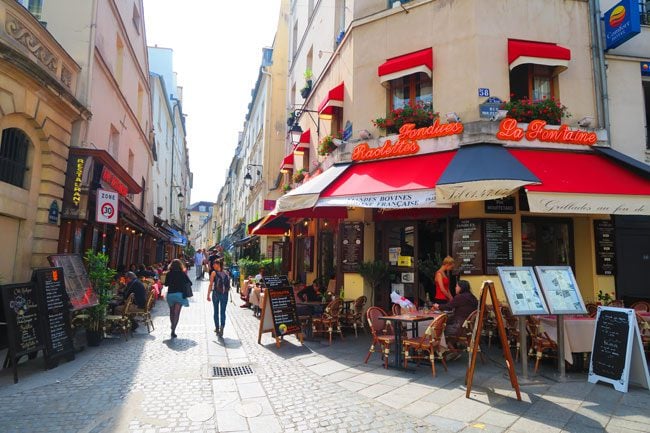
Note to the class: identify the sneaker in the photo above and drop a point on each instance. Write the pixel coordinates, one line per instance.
(174, 335)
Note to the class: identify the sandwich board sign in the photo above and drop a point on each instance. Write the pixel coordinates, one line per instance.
(617, 355)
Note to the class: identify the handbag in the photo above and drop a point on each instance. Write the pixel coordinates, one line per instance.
(187, 290)
(206, 268)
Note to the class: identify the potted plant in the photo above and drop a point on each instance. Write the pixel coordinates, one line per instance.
(299, 176)
(291, 119)
(422, 115)
(525, 110)
(326, 145)
(374, 273)
(604, 298)
(286, 187)
(305, 91)
(100, 276)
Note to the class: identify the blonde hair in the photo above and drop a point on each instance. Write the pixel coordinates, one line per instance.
(448, 261)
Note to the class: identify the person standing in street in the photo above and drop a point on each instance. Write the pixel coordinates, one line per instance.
(199, 258)
(176, 280)
(218, 289)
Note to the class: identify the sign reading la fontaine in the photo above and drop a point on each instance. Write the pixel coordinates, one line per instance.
(536, 130)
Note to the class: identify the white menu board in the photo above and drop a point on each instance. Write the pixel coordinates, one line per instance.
(522, 290)
(560, 289)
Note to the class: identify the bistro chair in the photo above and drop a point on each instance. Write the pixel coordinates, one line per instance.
(382, 333)
(617, 303)
(592, 309)
(144, 314)
(354, 317)
(329, 321)
(512, 330)
(540, 343)
(463, 340)
(644, 331)
(641, 306)
(425, 347)
(396, 310)
(120, 322)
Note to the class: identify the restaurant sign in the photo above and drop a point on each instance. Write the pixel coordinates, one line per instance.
(400, 200)
(407, 141)
(77, 178)
(588, 203)
(114, 182)
(537, 130)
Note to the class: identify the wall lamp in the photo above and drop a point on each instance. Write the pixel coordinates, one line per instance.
(298, 114)
(248, 179)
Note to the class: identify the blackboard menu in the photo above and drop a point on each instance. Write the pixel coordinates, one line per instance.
(351, 246)
(501, 205)
(467, 248)
(24, 323)
(283, 305)
(77, 283)
(605, 247)
(609, 353)
(55, 308)
(498, 244)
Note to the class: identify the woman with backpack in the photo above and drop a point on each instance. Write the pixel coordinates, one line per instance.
(218, 289)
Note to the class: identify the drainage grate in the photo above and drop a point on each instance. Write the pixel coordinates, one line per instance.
(241, 370)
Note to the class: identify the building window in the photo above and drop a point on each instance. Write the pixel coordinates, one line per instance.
(119, 59)
(532, 82)
(644, 8)
(114, 143)
(136, 19)
(13, 156)
(294, 39)
(415, 89)
(547, 241)
(144, 189)
(131, 161)
(140, 101)
(35, 7)
(646, 97)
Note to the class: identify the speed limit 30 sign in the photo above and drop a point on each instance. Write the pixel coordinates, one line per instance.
(107, 206)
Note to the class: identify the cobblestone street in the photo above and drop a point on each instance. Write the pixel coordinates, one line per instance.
(154, 384)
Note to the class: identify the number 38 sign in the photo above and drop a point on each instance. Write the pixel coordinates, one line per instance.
(107, 206)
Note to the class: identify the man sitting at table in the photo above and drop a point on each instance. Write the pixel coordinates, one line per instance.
(311, 293)
(463, 304)
(135, 286)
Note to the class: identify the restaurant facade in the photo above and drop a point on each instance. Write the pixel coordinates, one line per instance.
(488, 186)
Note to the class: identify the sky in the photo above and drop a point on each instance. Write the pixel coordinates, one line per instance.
(217, 54)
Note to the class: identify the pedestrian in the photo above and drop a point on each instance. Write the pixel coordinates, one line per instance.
(218, 289)
(441, 278)
(175, 280)
(198, 263)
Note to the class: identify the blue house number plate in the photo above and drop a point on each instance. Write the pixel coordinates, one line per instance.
(483, 92)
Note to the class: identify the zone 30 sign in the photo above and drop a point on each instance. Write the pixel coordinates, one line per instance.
(107, 206)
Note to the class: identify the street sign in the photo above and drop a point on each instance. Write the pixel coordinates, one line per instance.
(483, 92)
(107, 206)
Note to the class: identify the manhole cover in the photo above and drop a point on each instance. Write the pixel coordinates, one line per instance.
(241, 370)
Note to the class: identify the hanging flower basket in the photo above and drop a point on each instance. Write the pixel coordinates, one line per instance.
(286, 188)
(422, 115)
(299, 176)
(326, 145)
(526, 110)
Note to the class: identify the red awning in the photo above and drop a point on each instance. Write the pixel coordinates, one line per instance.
(303, 143)
(401, 66)
(539, 53)
(586, 183)
(273, 225)
(287, 162)
(334, 99)
(388, 184)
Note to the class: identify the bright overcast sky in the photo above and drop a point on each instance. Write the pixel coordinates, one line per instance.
(217, 54)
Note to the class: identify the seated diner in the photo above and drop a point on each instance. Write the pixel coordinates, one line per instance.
(462, 305)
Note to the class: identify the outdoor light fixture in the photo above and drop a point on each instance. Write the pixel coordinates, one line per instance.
(294, 133)
(248, 179)
(293, 130)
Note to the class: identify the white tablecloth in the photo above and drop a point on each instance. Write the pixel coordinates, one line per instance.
(578, 334)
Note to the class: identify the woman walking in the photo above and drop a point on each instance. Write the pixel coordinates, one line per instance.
(176, 280)
(219, 287)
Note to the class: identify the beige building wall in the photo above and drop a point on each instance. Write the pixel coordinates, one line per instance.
(37, 87)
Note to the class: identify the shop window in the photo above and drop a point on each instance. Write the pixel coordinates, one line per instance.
(532, 82)
(415, 89)
(547, 242)
(644, 9)
(13, 156)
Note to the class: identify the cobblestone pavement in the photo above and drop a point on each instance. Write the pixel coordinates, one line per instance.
(154, 384)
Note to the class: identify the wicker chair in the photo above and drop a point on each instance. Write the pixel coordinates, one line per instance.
(592, 309)
(329, 321)
(540, 343)
(354, 317)
(642, 306)
(617, 303)
(425, 347)
(462, 341)
(512, 330)
(144, 314)
(120, 322)
(382, 333)
(644, 331)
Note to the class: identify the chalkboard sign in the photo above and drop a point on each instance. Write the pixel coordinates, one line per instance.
(351, 246)
(501, 205)
(617, 355)
(279, 314)
(467, 247)
(55, 308)
(498, 244)
(77, 283)
(605, 247)
(24, 322)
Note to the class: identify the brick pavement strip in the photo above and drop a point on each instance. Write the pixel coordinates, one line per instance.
(152, 384)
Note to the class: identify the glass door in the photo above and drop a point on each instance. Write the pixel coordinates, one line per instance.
(400, 252)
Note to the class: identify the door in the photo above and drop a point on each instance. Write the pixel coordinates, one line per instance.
(9, 228)
(632, 258)
(400, 252)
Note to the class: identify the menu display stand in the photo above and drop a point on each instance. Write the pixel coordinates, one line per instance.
(77, 284)
(476, 336)
(21, 304)
(617, 355)
(525, 298)
(279, 314)
(563, 297)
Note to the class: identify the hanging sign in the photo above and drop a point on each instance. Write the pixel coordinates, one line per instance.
(107, 206)
(622, 22)
(53, 213)
(536, 130)
(645, 69)
(114, 182)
